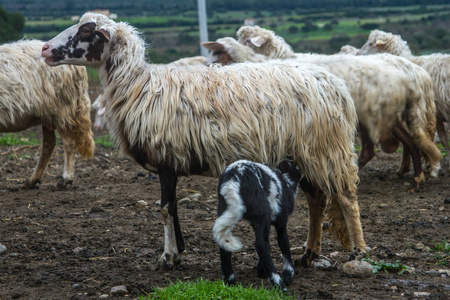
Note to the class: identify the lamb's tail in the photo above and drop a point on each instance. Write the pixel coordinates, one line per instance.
(225, 223)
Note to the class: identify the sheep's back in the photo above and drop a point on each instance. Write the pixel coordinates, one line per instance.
(32, 90)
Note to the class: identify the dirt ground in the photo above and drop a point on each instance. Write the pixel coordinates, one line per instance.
(80, 242)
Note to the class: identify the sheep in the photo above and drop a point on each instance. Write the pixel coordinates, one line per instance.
(437, 65)
(99, 121)
(348, 49)
(189, 61)
(419, 103)
(264, 197)
(32, 93)
(195, 120)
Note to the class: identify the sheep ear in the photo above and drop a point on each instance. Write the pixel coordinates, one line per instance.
(380, 42)
(213, 46)
(258, 41)
(103, 34)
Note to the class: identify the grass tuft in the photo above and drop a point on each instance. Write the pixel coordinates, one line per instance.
(104, 141)
(205, 289)
(15, 139)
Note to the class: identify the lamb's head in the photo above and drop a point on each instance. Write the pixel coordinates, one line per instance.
(81, 44)
(384, 42)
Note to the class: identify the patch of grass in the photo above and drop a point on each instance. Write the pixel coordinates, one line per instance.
(104, 141)
(205, 289)
(444, 249)
(15, 139)
(396, 267)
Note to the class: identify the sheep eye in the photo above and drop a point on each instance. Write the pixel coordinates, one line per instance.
(85, 33)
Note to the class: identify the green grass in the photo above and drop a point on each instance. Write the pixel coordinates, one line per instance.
(396, 267)
(443, 249)
(15, 139)
(105, 141)
(205, 289)
(442, 246)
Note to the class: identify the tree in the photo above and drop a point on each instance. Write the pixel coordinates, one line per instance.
(11, 26)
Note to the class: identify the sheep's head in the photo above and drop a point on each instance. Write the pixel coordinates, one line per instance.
(384, 42)
(218, 53)
(81, 44)
(254, 36)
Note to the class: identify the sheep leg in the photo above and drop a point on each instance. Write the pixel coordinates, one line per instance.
(406, 161)
(349, 208)
(70, 146)
(400, 133)
(443, 136)
(174, 243)
(316, 206)
(265, 268)
(227, 269)
(367, 147)
(48, 145)
(283, 243)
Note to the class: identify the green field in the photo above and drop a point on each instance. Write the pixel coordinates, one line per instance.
(176, 36)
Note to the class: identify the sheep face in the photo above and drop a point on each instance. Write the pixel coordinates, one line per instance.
(218, 53)
(81, 44)
(372, 46)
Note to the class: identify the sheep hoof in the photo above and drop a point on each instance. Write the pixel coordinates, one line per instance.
(276, 281)
(230, 280)
(63, 183)
(358, 254)
(167, 262)
(32, 184)
(307, 258)
(287, 277)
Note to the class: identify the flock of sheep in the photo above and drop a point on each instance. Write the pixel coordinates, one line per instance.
(252, 101)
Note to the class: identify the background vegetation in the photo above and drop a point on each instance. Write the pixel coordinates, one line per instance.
(323, 26)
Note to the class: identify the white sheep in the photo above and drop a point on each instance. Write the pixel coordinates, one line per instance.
(348, 49)
(32, 93)
(437, 65)
(191, 120)
(99, 120)
(419, 104)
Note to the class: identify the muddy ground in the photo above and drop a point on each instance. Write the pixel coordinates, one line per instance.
(80, 242)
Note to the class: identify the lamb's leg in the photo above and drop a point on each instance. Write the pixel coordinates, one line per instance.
(48, 145)
(70, 146)
(227, 269)
(400, 133)
(367, 147)
(316, 206)
(443, 136)
(266, 268)
(174, 243)
(283, 243)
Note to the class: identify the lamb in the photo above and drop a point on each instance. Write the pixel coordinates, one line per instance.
(262, 196)
(437, 65)
(32, 93)
(418, 105)
(195, 120)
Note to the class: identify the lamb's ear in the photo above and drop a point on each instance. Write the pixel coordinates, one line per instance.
(380, 43)
(103, 34)
(213, 46)
(258, 41)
